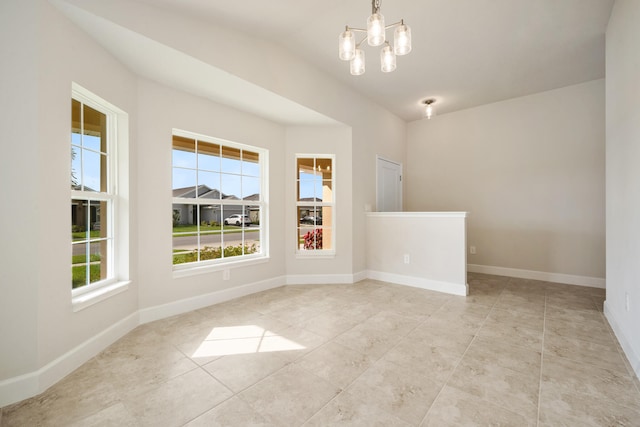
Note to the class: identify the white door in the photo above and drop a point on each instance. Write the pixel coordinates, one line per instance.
(389, 186)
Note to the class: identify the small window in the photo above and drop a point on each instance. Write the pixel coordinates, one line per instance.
(93, 191)
(315, 204)
(218, 210)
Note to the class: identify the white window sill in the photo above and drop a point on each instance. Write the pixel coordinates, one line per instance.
(86, 299)
(210, 268)
(316, 254)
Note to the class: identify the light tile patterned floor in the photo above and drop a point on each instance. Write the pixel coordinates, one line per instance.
(513, 353)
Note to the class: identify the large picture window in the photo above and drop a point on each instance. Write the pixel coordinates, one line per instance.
(315, 204)
(92, 193)
(218, 210)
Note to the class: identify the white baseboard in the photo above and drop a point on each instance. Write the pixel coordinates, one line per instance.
(189, 304)
(568, 279)
(362, 275)
(419, 282)
(15, 389)
(633, 356)
(320, 279)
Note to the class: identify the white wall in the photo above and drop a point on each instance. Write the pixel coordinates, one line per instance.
(66, 56)
(19, 225)
(334, 140)
(48, 54)
(623, 176)
(160, 110)
(530, 171)
(430, 255)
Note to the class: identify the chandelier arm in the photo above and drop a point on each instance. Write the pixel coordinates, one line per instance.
(400, 22)
(360, 42)
(358, 30)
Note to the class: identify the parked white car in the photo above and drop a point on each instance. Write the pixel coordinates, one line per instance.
(237, 219)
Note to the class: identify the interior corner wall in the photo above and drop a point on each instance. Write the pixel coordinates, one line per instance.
(530, 171)
(622, 305)
(162, 109)
(375, 133)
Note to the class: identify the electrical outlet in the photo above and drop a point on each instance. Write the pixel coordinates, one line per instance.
(472, 250)
(407, 259)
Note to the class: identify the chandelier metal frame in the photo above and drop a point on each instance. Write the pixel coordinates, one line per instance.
(349, 50)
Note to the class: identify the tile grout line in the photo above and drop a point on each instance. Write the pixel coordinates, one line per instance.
(233, 393)
(475, 335)
(293, 362)
(544, 329)
(345, 389)
(285, 366)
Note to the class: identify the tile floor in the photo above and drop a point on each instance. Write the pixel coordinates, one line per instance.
(513, 353)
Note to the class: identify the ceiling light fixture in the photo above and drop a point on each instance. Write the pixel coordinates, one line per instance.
(429, 111)
(349, 50)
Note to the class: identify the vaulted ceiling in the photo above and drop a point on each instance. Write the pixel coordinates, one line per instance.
(465, 52)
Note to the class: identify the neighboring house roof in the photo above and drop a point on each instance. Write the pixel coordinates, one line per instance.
(311, 199)
(212, 194)
(204, 192)
(253, 197)
(190, 192)
(77, 187)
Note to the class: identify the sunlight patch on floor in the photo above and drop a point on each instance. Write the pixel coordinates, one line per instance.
(230, 340)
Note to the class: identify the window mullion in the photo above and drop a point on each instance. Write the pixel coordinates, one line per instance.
(88, 239)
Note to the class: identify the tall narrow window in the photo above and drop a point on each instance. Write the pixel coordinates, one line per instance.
(218, 210)
(315, 204)
(92, 194)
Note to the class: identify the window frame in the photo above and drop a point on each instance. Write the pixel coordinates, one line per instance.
(224, 263)
(116, 223)
(316, 253)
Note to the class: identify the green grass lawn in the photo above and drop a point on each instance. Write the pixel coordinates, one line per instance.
(192, 230)
(81, 259)
(82, 235)
(79, 272)
(79, 275)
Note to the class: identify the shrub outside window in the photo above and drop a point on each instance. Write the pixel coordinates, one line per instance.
(315, 204)
(218, 201)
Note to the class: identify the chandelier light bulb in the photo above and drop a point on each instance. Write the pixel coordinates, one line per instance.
(402, 40)
(387, 59)
(375, 30)
(347, 45)
(357, 63)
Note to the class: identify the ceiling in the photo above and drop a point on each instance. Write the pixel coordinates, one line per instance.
(465, 52)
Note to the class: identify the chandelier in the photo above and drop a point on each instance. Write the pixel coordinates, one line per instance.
(349, 50)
